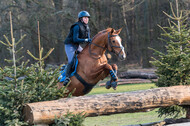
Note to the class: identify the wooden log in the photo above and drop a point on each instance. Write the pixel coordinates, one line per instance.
(138, 74)
(104, 104)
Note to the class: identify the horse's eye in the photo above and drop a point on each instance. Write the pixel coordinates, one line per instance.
(113, 41)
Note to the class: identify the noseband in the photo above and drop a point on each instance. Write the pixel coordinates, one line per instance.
(109, 44)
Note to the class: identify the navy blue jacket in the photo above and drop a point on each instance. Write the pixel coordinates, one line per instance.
(78, 33)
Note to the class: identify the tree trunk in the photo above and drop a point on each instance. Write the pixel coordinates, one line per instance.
(59, 51)
(145, 51)
(104, 104)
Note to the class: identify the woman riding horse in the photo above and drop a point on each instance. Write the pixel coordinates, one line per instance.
(92, 63)
(79, 33)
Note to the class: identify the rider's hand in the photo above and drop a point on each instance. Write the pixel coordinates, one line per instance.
(88, 40)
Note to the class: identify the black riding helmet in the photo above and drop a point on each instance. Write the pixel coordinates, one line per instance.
(83, 14)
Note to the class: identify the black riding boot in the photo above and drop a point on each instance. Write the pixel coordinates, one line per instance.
(67, 73)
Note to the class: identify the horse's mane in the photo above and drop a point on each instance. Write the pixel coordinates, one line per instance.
(106, 30)
(103, 31)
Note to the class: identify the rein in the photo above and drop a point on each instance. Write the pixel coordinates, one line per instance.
(109, 43)
(95, 53)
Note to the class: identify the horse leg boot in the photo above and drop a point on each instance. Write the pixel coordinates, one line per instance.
(114, 82)
(113, 72)
(113, 75)
(67, 74)
(115, 68)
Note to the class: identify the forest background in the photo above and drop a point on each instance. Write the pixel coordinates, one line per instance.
(137, 18)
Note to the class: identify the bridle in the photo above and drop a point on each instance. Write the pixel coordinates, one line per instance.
(109, 44)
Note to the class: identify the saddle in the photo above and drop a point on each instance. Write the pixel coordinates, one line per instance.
(61, 78)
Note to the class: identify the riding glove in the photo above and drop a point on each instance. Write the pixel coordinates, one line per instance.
(88, 40)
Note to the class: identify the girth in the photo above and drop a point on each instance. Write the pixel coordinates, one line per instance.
(87, 87)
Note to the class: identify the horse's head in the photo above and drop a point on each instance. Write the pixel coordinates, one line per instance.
(114, 44)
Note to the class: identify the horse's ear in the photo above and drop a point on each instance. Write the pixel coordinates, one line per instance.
(118, 31)
(112, 31)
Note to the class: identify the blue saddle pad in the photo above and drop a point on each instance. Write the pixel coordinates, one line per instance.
(62, 77)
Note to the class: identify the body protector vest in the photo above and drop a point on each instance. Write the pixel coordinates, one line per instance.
(84, 32)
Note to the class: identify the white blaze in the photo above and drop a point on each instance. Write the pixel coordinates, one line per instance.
(119, 41)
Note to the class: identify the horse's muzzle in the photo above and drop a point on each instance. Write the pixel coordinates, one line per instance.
(122, 56)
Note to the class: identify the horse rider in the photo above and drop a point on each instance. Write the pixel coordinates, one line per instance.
(79, 33)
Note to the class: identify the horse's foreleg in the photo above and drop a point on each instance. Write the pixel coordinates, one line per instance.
(115, 68)
(114, 82)
(113, 72)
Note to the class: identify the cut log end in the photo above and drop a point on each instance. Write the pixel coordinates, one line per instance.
(188, 112)
(28, 114)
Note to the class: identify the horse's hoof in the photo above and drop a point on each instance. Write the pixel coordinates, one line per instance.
(114, 84)
(108, 85)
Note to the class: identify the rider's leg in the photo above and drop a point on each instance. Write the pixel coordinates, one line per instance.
(70, 51)
(67, 73)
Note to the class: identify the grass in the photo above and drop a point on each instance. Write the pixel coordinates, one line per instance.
(122, 88)
(125, 118)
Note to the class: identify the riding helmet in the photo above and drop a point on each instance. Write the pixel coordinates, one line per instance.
(83, 14)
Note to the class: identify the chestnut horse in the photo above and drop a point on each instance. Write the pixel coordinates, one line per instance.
(93, 65)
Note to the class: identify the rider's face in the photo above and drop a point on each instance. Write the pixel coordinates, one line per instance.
(85, 20)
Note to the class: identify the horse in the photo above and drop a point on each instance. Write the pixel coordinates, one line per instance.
(93, 64)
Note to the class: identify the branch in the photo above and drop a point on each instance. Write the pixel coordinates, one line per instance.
(7, 40)
(19, 50)
(32, 55)
(49, 52)
(21, 39)
(4, 43)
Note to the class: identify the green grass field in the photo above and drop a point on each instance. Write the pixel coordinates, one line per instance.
(125, 118)
(122, 88)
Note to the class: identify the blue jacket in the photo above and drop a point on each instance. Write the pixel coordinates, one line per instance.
(78, 33)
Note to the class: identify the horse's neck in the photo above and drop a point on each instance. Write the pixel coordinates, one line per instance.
(99, 45)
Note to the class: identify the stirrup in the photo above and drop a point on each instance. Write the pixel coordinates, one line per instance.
(66, 81)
